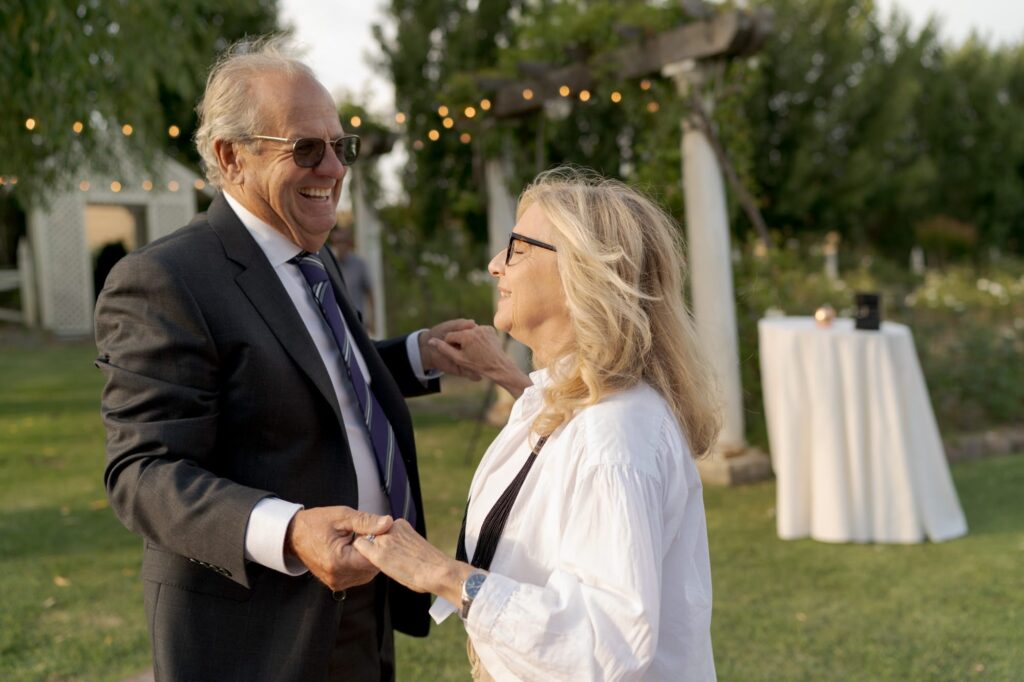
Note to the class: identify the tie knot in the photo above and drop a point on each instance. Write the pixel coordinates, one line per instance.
(311, 265)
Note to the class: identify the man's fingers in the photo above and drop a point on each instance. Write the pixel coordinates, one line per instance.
(449, 326)
(460, 336)
(461, 323)
(363, 522)
(365, 547)
(446, 349)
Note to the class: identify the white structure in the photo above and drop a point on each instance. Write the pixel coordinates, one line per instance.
(368, 244)
(711, 290)
(65, 231)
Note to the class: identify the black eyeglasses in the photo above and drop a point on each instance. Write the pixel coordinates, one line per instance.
(308, 152)
(513, 255)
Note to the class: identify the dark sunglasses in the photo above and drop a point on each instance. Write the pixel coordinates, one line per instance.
(513, 238)
(308, 152)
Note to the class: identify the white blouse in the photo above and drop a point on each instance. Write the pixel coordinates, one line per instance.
(602, 572)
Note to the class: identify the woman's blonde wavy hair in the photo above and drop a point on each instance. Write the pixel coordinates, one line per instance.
(620, 261)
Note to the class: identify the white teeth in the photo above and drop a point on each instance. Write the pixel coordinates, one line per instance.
(315, 192)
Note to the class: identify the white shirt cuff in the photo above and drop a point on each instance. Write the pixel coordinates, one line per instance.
(412, 347)
(264, 536)
(441, 609)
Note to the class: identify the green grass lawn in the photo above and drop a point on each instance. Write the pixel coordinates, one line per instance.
(71, 605)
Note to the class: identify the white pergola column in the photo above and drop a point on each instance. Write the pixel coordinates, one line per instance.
(710, 265)
(62, 263)
(368, 236)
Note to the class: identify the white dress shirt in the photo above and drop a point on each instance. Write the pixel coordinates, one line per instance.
(269, 519)
(602, 572)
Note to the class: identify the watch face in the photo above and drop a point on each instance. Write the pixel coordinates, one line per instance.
(473, 584)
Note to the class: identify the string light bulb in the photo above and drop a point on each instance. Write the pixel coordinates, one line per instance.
(434, 135)
(84, 185)
(469, 112)
(653, 107)
(77, 126)
(465, 138)
(448, 122)
(584, 95)
(645, 84)
(147, 185)
(399, 118)
(442, 111)
(174, 131)
(173, 185)
(564, 91)
(30, 123)
(616, 97)
(199, 184)
(115, 186)
(355, 121)
(527, 94)
(127, 130)
(485, 104)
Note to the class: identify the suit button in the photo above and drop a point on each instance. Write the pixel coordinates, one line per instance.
(339, 595)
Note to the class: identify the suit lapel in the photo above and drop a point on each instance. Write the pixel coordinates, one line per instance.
(263, 288)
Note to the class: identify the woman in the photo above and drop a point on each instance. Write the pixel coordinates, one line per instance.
(601, 570)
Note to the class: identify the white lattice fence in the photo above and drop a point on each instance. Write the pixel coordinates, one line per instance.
(62, 263)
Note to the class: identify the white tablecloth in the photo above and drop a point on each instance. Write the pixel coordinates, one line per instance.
(853, 439)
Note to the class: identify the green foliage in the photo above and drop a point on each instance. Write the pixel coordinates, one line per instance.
(427, 279)
(435, 41)
(104, 65)
(783, 610)
(844, 121)
(968, 325)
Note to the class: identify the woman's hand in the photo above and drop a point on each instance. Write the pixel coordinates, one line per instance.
(406, 557)
(478, 351)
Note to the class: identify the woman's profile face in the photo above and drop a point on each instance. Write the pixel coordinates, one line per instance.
(531, 301)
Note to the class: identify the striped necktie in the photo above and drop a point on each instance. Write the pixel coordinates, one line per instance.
(382, 436)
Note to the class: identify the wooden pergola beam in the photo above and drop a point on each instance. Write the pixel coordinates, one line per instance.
(726, 34)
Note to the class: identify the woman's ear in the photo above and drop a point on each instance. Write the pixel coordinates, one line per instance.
(230, 161)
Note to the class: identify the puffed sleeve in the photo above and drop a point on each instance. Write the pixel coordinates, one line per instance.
(597, 616)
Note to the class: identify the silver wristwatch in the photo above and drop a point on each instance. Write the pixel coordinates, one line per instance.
(470, 588)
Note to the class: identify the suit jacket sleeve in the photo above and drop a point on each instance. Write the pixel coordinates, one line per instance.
(160, 408)
(395, 356)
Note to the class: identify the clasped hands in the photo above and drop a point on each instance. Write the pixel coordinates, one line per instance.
(332, 543)
(463, 348)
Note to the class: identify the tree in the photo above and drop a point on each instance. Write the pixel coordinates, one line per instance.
(843, 122)
(81, 74)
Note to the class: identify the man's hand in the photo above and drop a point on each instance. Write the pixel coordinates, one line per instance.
(432, 359)
(321, 538)
(478, 352)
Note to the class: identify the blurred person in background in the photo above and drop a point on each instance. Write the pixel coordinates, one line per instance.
(355, 272)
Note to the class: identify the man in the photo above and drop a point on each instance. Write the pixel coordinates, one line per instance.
(356, 273)
(237, 443)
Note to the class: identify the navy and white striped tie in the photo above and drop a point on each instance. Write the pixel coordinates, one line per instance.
(382, 436)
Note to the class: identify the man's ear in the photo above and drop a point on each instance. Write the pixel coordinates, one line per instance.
(229, 160)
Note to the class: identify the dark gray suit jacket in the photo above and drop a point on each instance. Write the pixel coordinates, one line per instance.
(216, 397)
